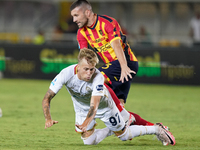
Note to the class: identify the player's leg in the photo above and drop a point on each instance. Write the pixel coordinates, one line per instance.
(116, 124)
(163, 135)
(92, 136)
(137, 121)
(128, 118)
(96, 136)
(140, 121)
(124, 90)
(112, 72)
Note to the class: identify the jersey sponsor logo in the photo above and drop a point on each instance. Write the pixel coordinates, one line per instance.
(104, 48)
(53, 82)
(99, 87)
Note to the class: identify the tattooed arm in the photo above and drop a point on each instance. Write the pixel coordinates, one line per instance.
(46, 108)
(94, 104)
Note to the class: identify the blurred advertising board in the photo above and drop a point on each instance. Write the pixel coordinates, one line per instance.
(37, 62)
(168, 65)
(156, 64)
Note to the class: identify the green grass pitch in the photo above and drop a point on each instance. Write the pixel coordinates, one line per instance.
(22, 123)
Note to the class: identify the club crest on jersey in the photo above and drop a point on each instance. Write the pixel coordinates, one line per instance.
(101, 32)
(88, 88)
(99, 87)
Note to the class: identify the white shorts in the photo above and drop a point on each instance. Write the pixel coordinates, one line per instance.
(112, 119)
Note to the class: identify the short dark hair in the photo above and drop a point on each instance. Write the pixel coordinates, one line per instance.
(79, 3)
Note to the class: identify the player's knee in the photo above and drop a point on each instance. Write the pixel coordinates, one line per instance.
(126, 135)
(122, 101)
(90, 140)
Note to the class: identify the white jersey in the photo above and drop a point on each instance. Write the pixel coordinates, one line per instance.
(81, 91)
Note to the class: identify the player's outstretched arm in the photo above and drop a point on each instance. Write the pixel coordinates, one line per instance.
(46, 108)
(94, 104)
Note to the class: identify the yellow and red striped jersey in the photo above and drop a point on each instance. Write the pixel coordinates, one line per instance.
(100, 36)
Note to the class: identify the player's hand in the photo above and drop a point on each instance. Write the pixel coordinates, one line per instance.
(81, 127)
(50, 123)
(125, 73)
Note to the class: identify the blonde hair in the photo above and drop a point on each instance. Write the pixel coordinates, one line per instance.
(89, 55)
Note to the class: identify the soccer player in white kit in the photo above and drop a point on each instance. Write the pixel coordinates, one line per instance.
(92, 100)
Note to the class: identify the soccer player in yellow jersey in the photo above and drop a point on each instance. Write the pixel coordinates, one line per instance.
(104, 35)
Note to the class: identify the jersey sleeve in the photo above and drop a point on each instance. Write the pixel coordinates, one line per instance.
(61, 79)
(82, 42)
(98, 82)
(113, 30)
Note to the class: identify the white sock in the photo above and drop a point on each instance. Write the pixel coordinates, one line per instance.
(125, 114)
(97, 136)
(135, 130)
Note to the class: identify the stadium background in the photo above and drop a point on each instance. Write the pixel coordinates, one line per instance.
(38, 38)
(166, 56)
